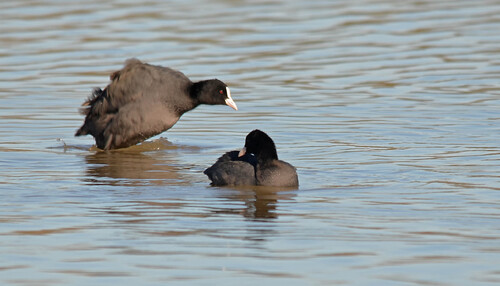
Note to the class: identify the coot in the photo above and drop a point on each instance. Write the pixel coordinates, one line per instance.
(144, 100)
(256, 164)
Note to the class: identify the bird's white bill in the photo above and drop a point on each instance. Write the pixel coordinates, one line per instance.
(229, 100)
(242, 152)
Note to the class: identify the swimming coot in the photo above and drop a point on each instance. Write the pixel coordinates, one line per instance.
(256, 164)
(144, 100)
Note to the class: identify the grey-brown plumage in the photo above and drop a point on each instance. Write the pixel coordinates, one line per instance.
(263, 168)
(144, 100)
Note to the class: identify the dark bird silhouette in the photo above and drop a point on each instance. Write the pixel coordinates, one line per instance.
(144, 100)
(256, 164)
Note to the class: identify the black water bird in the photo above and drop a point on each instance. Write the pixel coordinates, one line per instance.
(144, 100)
(256, 164)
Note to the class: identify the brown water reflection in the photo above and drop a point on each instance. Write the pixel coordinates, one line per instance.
(144, 164)
(260, 202)
(131, 169)
(388, 109)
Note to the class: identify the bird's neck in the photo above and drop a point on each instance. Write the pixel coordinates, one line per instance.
(196, 90)
(266, 156)
(185, 104)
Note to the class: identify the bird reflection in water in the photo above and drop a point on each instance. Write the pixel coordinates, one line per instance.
(260, 202)
(134, 166)
(145, 165)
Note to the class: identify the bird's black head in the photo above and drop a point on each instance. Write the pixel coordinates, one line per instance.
(261, 145)
(212, 91)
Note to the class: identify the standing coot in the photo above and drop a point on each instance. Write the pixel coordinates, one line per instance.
(144, 100)
(262, 168)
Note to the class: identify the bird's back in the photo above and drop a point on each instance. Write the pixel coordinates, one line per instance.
(138, 81)
(277, 173)
(231, 170)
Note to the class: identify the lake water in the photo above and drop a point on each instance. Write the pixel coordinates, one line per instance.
(390, 110)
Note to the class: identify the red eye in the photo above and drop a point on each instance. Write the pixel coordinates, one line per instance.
(221, 92)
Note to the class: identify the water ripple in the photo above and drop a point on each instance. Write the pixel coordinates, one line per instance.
(388, 109)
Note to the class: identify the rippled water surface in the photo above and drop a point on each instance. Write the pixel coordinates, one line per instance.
(390, 111)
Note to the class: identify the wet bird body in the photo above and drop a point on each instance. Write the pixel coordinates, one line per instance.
(144, 100)
(256, 164)
(222, 172)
